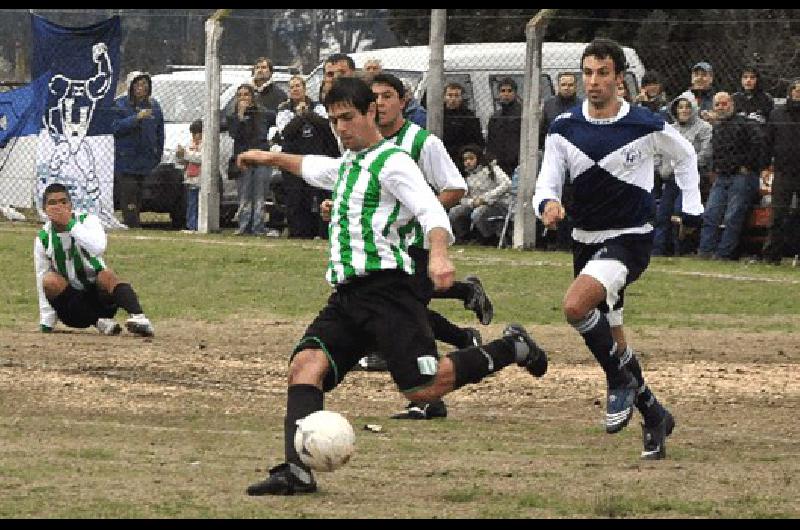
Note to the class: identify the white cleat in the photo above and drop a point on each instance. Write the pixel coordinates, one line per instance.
(140, 325)
(108, 326)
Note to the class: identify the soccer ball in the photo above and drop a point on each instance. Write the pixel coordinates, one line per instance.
(324, 440)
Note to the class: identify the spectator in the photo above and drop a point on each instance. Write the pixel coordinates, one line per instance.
(248, 126)
(623, 92)
(652, 94)
(737, 160)
(488, 188)
(305, 130)
(702, 79)
(192, 157)
(138, 143)
(752, 102)
(783, 149)
(268, 94)
(460, 125)
(372, 67)
(565, 98)
(336, 65)
(412, 109)
(684, 114)
(502, 138)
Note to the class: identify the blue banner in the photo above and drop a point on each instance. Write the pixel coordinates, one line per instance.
(77, 146)
(21, 110)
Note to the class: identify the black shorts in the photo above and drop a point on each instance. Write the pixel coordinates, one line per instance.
(81, 308)
(422, 281)
(631, 250)
(378, 312)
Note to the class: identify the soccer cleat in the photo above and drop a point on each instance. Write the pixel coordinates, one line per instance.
(373, 363)
(285, 479)
(655, 438)
(422, 411)
(536, 360)
(619, 405)
(479, 301)
(140, 325)
(108, 326)
(474, 338)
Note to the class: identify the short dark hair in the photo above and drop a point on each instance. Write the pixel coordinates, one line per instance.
(453, 84)
(263, 60)
(55, 187)
(196, 126)
(507, 81)
(339, 57)
(602, 48)
(350, 90)
(391, 80)
(476, 150)
(651, 77)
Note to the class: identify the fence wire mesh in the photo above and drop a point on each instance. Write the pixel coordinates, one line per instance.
(662, 47)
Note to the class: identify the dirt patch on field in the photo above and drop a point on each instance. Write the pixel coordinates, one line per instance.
(736, 396)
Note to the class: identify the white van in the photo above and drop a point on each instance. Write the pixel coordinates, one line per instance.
(181, 94)
(479, 67)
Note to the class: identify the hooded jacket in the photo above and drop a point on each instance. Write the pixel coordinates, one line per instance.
(502, 138)
(696, 130)
(460, 127)
(782, 133)
(754, 104)
(138, 144)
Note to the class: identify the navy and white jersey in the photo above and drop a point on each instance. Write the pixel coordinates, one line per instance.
(611, 163)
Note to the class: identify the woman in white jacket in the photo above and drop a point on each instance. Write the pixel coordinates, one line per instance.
(487, 199)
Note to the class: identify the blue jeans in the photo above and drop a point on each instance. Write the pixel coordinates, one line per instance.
(251, 199)
(729, 202)
(665, 239)
(192, 199)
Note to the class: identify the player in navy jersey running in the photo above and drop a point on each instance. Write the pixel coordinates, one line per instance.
(607, 148)
(379, 195)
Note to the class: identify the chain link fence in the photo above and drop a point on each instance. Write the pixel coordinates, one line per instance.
(170, 46)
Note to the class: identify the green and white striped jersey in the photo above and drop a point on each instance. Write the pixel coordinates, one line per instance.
(378, 194)
(75, 254)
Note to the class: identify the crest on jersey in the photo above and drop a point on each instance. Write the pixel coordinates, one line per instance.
(631, 156)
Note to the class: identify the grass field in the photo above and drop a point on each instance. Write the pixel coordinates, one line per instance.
(179, 425)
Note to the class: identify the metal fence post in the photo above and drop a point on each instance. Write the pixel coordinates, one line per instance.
(208, 207)
(435, 91)
(524, 216)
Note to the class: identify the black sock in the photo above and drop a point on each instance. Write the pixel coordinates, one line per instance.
(125, 298)
(301, 400)
(446, 331)
(596, 333)
(474, 363)
(652, 411)
(458, 291)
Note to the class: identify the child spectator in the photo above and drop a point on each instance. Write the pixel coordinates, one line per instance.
(191, 156)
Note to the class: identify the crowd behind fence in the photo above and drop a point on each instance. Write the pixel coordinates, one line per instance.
(477, 72)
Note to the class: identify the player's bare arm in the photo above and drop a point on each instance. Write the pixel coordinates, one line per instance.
(440, 268)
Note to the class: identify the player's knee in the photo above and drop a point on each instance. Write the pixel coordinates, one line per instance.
(53, 284)
(107, 280)
(308, 367)
(574, 311)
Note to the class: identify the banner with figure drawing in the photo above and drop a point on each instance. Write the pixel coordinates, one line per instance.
(76, 145)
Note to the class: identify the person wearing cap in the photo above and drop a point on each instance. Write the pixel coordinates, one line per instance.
(702, 79)
(138, 128)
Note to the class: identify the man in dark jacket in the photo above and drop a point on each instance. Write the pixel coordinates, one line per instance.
(268, 94)
(460, 126)
(138, 130)
(566, 97)
(783, 149)
(752, 102)
(502, 138)
(737, 159)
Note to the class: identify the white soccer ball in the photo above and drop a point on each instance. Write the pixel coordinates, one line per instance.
(325, 440)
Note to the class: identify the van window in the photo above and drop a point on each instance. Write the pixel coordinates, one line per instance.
(545, 86)
(181, 100)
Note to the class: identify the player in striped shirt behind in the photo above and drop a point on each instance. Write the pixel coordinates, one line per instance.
(379, 197)
(607, 147)
(74, 283)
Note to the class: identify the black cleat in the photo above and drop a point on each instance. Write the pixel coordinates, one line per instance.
(619, 405)
(655, 438)
(422, 411)
(285, 479)
(536, 360)
(475, 338)
(479, 301)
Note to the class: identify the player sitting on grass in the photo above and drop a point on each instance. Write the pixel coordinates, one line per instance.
(73, 281)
